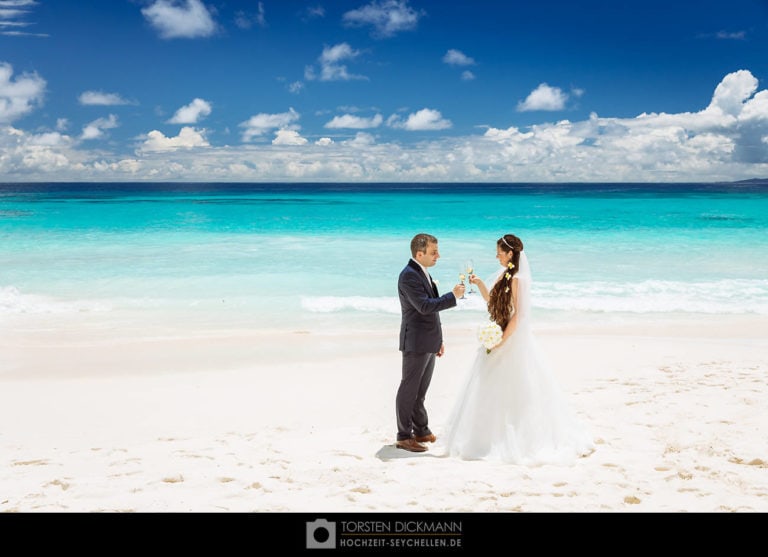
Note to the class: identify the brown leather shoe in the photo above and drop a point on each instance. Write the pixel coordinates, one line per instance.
(431, 438)
(411, 445)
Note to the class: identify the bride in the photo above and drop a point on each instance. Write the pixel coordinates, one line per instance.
(511, 407)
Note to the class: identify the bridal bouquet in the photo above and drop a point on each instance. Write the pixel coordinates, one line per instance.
(489, 336)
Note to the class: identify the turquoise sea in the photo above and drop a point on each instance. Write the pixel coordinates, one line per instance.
(326, 256)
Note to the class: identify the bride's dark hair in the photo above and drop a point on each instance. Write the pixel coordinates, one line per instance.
(499, 300)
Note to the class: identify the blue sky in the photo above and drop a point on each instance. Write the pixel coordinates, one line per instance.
(383, 90)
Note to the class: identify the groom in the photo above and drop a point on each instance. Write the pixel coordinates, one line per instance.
(421, 339)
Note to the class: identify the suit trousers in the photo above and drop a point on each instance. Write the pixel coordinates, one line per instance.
(409, 404)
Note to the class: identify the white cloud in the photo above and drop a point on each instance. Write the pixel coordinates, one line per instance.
(16, 5)
(361, 139)
(355, 122)
(191, 113)
(188, 138)
(735, 35)
(288, 137)
(100, 98)
(544, 97)
(330, 67)
(262, 123)
(185, 19)
(313, 12)
(387, 17)
(296, 87)
(13, 14)
(457, 58)
(95, 129)
(733, 91)
(245, 21)
(49, 139)
(467, 75)
(62, 124)
(727, 140)
(423, 120)
(28, 155)
(18, 96)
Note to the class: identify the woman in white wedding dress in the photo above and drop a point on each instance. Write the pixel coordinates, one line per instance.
(511, 407)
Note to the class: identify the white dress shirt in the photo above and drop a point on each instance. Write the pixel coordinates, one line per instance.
(426, 273)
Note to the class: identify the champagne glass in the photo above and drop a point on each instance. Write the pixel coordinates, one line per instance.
(469, 267)
(462, 277)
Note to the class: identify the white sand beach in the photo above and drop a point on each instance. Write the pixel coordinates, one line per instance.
(97, 420)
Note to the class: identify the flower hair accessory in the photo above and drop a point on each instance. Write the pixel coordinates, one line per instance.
(508, 275)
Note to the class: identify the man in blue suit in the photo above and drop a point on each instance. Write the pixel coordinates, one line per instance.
(421, 340)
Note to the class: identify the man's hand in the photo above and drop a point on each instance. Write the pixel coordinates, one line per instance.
(441, 351)
(458, 290)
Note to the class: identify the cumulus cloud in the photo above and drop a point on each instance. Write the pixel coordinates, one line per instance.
(709, 144)
(732, 92)
(726, 140)
(544, 97)
(355, 122)
(188, 138)
(20, 95)
(100, 98)
(331, 67)
(262, 123)
(288, 137)
(387, 17)
(50, 139)
(191, 113)
(27, 156)
(457, 58)
(180, 19)
(423, 120)
(361, 139)
(467, 75)
(95, 129)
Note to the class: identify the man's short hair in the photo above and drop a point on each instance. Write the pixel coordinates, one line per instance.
(420, 242)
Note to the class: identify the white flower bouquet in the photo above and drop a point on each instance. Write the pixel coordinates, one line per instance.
(489, 336)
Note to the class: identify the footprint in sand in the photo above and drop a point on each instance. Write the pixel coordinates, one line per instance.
(63, 485)
(760, 463)
(342, 453)
(38, 462)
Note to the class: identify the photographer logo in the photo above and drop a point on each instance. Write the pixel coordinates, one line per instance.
(321, 534)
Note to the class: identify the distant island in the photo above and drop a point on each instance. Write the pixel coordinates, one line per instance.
(757, 181)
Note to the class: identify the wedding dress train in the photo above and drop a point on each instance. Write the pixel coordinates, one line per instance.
(511, 407)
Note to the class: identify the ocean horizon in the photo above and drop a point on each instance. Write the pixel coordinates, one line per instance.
(325, 256)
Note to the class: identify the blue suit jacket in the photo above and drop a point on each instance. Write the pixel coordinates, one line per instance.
(420, 329)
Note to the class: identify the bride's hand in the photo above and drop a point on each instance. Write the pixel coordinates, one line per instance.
(474, 279)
